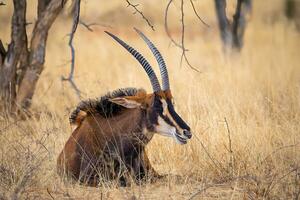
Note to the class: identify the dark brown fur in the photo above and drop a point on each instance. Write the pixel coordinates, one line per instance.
(108, 142)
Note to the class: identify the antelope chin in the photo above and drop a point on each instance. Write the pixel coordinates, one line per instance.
(166, 130)
(179, 139)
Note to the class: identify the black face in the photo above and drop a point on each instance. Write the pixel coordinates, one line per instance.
(166, 121)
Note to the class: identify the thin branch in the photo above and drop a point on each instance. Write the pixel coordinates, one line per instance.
(229, 134)
(279, 149)
(28, 23)
(89, 26)
(183, 54)
(24, 58)
(239, 22)
(2, 4)
(179, 45)
(74, 28)
(50, 194)
(198, 16)
(37, 53)
(203, 189)
(273, 183)
(182, 32)
(167, 27)
(219, 165)
(141, 13)
(224, 24)
(221, 183)
(13, 53)
(231, 160)
(70, 78)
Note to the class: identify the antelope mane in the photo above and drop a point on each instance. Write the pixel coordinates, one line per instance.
(102, 105)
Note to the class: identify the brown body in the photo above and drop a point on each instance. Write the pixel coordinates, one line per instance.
(107, 148)
(112, 131)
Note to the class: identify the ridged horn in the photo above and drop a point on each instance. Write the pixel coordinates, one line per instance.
(139, 57)
(159, 59)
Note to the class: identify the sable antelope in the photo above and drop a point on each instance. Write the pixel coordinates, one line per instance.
(112, 131)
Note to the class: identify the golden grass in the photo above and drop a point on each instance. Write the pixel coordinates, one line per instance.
(257, 92)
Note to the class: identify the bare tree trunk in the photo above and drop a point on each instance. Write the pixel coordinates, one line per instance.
(224, 24)
(42, 5)
(9, 67)
(21, 66)
(232, 33)
(292, 11)
(48, 11)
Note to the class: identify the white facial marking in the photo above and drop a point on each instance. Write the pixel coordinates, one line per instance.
(165, 107)
(166, 113)
(164, 128)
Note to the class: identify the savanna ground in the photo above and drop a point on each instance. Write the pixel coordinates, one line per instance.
(254, 154)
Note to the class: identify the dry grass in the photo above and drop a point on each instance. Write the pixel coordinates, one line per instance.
(253, 154)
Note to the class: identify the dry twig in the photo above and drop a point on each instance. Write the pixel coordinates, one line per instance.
(167, 27)
(50, 194)
(89, 26)
(279, 149)
(214, 161)
(275, 182)
(203, 189)
(221, 183)
(134, 6)
(198, 16)
(231, 160)
(180, 45)
(183, 54)
(70, 78)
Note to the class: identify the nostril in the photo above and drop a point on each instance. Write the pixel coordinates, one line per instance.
(187, 134)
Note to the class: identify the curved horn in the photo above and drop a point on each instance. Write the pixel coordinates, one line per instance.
(159, 59)
(147, 67)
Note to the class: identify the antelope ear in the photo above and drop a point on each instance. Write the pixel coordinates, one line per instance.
(125, 102)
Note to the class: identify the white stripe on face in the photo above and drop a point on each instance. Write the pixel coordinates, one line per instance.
(168, 115)
(164, 128)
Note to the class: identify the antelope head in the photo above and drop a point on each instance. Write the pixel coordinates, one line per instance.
(161, 116)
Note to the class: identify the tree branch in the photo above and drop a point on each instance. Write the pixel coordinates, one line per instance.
(141, 13)
(183, 54)
(180, 45)
(279, 149)
(231, 154)
(232, 33)
(24, 59)
(224, 24)
(167, 27)
(9, 67)
(88, 26)
(70, 78)
(48, 14)
(198, 16)
(215, 162)
(42, 5)
(239, 22)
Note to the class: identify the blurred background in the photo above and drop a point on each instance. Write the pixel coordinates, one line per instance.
(252, 95)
